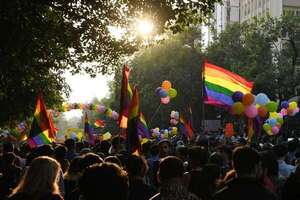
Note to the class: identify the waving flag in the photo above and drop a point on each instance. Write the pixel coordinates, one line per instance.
(220, 84)
(126, 95)
(143, 129)
(42, 131)
(132, 137)
(88, 130)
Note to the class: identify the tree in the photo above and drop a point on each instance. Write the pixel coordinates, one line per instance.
(40, 39)
(178, 60)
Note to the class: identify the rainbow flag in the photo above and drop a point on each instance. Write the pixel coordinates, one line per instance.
(220, 84)
(42, 131)
(88, 130)
(132, 137)
(126, 96)
(143, 129)
(99, 123)
(185, 127)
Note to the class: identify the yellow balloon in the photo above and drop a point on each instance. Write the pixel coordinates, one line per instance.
(274, 115)
(293, 105)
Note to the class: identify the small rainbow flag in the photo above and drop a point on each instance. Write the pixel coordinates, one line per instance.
(220, 84)
(99, 123)
(142, 126)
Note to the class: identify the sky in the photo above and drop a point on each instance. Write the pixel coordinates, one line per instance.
(85, 89)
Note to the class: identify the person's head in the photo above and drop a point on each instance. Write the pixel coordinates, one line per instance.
(136, 166)
(41, 177)
(182, 152)
(280, 151)
(74, 168)
(146, 148)
(245, 161)
(269, 164)
(8, 159)
(104, 147)
(44, 150)
(154, 151)
(70, 144)
(106, 180)
(60, 152)
(8, 147)
(113, 159)
(198, 156)
(164, 148)
(90, 159)
(170, 168)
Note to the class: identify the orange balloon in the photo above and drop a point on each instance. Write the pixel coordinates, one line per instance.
(166, 85)
(248, 99)
(290, 111)
(262, 111)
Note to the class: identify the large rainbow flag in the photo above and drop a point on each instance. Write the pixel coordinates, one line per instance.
(42, 130)
(220, 84)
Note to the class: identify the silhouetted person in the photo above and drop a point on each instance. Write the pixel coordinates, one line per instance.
(245, 185)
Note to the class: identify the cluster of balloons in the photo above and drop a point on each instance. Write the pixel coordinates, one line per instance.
(289, 108)
(174, 118)
(166, 92)
(157, 133)
(95, 107)
(261, 106)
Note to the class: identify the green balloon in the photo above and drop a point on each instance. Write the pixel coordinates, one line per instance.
(272, 106)
(267, 127)
(280, 120)
(172, 93)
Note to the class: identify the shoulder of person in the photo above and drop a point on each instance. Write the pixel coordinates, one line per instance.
(52, 197)
(156, 197)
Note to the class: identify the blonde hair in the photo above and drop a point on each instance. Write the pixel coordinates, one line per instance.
(40, 178)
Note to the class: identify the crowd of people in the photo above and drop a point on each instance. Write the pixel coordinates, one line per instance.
(165, 170)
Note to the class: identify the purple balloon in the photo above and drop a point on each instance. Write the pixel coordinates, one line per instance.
(284, 104)
(157, 90)
(237, 96)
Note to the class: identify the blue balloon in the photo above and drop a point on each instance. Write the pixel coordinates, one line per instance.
(284, 104)
(237, 96)
(163, 93)
(157, 90)
(273, 122)
(261, 99)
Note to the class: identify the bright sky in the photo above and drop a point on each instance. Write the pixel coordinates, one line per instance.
(85, 89)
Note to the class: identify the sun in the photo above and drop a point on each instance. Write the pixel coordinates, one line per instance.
(145, 26)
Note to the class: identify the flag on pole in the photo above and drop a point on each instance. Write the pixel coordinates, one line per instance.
(185, 127)
(143, 129)
(41, 132)
(88, 130)
(126, 95)
(132, 137)
(220, 84)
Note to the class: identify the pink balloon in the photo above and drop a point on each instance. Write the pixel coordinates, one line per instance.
(165, 100)
(283, 112)
(296, 110)
(275, 130)
(114, 115)
(101, 109)
(251, 111)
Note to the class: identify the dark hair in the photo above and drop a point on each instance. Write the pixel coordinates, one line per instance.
(106, 180)
(170, 167)
(75, 165)
(8, 147)
(280, 150)
(135, 166)
(70, 144)
(269, 162)
(8, 158)
(244, 160)
(90, 159)
(60, 152)
(104, 147)
(198, 156)
(113, 159)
